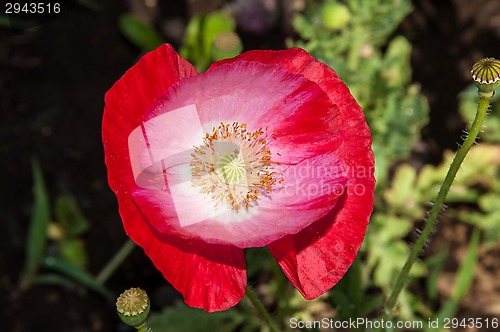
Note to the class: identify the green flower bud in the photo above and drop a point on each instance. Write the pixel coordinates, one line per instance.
(335, 16)
(486, 75)
(133, 307)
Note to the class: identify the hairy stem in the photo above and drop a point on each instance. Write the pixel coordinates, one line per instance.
(402, 278)
(252, 296)
(143, 328)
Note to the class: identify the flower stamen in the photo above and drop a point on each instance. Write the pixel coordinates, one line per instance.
(232, 165)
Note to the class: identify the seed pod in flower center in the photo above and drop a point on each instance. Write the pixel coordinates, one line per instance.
(232, 166)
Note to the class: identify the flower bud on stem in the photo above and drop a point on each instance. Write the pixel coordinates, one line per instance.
(133, 307)
(486, 74)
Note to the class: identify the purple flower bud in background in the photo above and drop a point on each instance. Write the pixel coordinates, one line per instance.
(255, 16)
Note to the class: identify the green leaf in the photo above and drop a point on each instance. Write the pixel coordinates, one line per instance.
(200, 35)
(53, 279)
(489, 202)
(139, 33)
(481, 165)
(387, 251)
(37, 237)
(258, 260)
(447, 310)
(191, 46)
(77, 274)
(468, 106)
(181, 318)
(69, 216)
(397, 70)
(73, 251)
(435, 265)
(466, 272)
(465, 277)
(402, 195)
(372, 303)
(343, 305)
(214, 24)
(488, 222)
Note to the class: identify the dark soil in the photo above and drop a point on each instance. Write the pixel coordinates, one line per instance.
(52, 82)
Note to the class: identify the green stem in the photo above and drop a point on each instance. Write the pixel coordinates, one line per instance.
(143, 328)
(482, 109)
(115, 262)
(252, 296)
(353, 54)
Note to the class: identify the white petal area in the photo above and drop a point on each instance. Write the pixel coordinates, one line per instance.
(191, 205)
(162, 142)
(309, 191)
(245, 91)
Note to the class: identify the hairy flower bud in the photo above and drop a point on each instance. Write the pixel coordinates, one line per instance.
(486, 74)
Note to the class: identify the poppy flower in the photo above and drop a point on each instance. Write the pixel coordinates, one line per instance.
(265, 149)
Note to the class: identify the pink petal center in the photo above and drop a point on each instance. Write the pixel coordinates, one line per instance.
(203, 165)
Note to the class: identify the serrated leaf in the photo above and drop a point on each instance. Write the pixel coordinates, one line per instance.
(480, 166)
(489, 202)
(391, 228)
(181, 318)
(40, 218)
(489, 223)
(387, 251)
(402, 196)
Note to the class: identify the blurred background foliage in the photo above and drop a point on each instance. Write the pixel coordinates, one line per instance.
(360, 40)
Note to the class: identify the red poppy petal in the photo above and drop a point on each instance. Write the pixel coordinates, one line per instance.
(299, 115)
(188, 266)
(209, 276)
(318, 256)
(126, 104)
